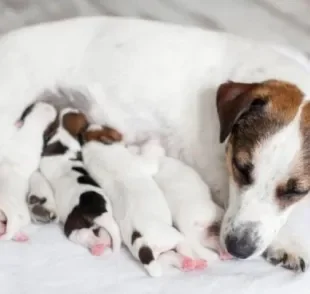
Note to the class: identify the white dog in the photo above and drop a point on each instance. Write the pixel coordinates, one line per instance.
(82, 206)
(40, 199)
(193, 211)
(170, 80)
(139, 205)
(16, 167)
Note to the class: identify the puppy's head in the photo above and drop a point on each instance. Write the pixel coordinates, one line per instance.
(73, 121)
(266, 127)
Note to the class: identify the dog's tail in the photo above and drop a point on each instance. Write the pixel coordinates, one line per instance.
(107, 221)
(143, 252)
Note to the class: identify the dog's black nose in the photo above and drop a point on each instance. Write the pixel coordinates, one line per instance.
(240, 246)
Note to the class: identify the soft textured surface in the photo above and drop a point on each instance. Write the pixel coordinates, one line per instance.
(281, 21)
(50, 264)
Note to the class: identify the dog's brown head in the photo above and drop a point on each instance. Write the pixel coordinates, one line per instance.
(266, 127)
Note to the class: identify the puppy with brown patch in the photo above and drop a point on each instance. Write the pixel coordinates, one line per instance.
(82, 206)
(16, 167)
(138, 203)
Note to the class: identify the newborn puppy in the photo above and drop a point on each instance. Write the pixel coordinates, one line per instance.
(21, 159)
(82, 206)
(193, 211)
(40, 199)
(139, 205)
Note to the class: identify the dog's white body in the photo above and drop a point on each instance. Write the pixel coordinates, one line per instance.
(138, 203)
(17, 165)
(59, 171)
(193, 211)
(148, 78)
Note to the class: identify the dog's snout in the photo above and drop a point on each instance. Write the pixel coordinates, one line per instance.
(240, 245)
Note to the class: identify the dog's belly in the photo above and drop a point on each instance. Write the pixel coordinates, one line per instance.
(144, 78)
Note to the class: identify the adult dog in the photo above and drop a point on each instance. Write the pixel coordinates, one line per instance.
(152, 78)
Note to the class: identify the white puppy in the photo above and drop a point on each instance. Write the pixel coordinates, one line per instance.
(139, 205)
(40, 199)
(82, 206)
(193, 211)
(21, 159)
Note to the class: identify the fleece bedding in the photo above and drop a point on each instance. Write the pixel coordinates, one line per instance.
(48, 263)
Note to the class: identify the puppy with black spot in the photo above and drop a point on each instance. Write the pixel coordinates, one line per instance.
(40, 199)
(193, 211)
(139, 205)
(21, 159)
(82, 206)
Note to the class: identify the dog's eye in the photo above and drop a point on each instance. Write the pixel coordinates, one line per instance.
(244, 171)
(292, 189)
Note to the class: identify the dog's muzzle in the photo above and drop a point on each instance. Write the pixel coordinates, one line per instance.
(242, 241)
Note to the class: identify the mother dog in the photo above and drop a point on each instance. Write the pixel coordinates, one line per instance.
(151, 78)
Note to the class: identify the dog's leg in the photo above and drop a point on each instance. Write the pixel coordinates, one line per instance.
(175, 259)
(286, 252)
(87, 238)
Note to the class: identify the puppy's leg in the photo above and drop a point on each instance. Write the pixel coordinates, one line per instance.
(175, 259)
(107, 222)
(286, 252)
(41, 200)
(13, 229)
(140, 249)
(87, 238)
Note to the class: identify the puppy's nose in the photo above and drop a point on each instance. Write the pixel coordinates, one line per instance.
(240, 246)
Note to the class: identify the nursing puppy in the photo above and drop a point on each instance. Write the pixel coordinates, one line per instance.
(139, 205)
(82, 205)
(40, 199)
(193, 211)
(22, 158)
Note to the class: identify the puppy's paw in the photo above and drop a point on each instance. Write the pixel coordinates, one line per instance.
(188, 264)
(289, 260)
(97, 249)
(201, 264)
(21, 237)
(39, 211)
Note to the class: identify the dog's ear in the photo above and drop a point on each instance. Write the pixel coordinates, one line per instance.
(74, 123)
(232, 100)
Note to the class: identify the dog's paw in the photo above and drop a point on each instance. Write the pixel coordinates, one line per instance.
(288, 260)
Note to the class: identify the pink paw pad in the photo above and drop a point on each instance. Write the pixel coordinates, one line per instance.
(188, 264)
(201, 264)
(20, 237)
(97, 250)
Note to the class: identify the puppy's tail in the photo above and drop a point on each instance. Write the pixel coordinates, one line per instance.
(145, 254)
(107, 222)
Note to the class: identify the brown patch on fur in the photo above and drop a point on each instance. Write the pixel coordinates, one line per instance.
(251, 113)
(74, 123)
(214, 229)
(106, 135)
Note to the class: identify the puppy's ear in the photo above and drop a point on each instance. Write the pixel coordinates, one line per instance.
(110, 135)
(74, 123)
(106, 135)
(232, 100)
